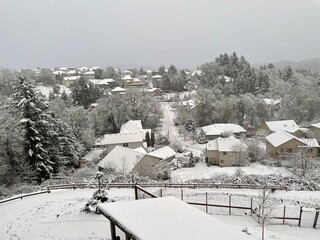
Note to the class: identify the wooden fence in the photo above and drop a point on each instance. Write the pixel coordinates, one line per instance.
(164, 185)
(253, 211)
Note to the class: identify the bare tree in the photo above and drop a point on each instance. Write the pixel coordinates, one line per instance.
(123, 166)
(266, 206)
(240, 155)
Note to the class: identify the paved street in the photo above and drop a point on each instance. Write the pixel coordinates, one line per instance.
(170, 129)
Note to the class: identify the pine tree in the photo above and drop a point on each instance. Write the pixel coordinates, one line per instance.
(172, 70)
(32, 106)
(152, 140)
(84, 93)
(148, 139)
(64, 96)
(48, 143)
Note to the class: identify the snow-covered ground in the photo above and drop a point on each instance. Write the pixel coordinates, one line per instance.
(202, 171)
(45, 90)
(58, 215)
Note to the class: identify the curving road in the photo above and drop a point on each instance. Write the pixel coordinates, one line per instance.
(170, 129)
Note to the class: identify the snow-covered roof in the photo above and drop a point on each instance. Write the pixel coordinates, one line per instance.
(198, 72)
(283, 125)
(122, 159)
(163, 153)
(89, 73)
(316, 125)
(98, 82)
(230, 144)
(280, 137)
(141, 149)
(71, 72)
(272, 102)
(58, 72)
(104, 81)
(151, 90)
(119, 138)
(136, 80)
(148, 71)
(94, 68)
(72, 78)
(118, 89)
(168, 218)
(63, 69)
(131, 126)
(126, 77)
(156, 77)
(310, 142)
(83, 69)
(220, 128)
(127, 72)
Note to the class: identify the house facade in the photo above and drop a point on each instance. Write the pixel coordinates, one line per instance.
(217, 130)
(225, 152)
(130, 140)
(145, 166)
(282, 143)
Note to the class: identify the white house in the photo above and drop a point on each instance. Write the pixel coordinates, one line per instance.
(214, 131)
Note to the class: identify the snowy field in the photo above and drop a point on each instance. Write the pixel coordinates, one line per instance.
(202, 171)
(58, 215)
(45, 90)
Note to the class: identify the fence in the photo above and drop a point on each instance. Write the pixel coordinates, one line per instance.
(286, 218)
(23, 196)
(165, 185)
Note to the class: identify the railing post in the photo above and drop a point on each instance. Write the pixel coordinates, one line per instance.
(160, 192)
(251, 206)
(113, 231)
(316, 216)
(229, 204)
(136, 192)
(206, 202)
(300, 216)
(284, 213)
(181, 194)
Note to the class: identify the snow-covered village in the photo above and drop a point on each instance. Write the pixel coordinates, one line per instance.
(160, 120)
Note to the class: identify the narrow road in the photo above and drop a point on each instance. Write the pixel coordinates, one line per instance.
(171, 130)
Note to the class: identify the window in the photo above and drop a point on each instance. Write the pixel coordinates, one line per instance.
(225, 153)
(281, 150)
(289, 150)
(222, 161)
(125, 144)
(310, 150)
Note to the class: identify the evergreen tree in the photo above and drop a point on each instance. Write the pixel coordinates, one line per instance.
(152, 140)
(98, 73)
(172, 70)
(84, 93)
(148, 139)
(64, 96)
(162, 70)
(52, 96)
(48, 143)
(32, 106)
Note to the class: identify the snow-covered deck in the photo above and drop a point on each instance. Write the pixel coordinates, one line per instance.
(166, 218)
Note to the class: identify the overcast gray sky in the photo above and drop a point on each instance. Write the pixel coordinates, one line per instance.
(187, 33)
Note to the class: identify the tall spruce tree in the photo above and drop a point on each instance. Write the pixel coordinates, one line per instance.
(48, 143)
